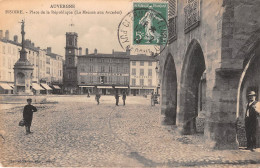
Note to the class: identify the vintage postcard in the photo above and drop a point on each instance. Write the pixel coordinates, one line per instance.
(129, 83)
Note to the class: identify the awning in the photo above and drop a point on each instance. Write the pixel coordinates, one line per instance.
(45, 86)
(104, 87)
(87, 86)
(12, 85)
(121, 87)
(140, 87)
(5, 86)
(36, 86)
(56, 87)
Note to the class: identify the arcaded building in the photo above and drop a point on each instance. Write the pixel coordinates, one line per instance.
(211, 62)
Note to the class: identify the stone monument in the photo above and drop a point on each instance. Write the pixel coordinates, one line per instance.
(23, 71)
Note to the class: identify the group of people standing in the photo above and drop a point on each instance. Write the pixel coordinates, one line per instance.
(117, 96)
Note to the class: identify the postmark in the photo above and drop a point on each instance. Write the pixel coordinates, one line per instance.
(144, 30)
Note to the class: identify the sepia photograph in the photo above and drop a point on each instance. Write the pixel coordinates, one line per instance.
(130, 83)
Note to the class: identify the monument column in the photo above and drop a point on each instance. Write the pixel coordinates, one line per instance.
(23, 71)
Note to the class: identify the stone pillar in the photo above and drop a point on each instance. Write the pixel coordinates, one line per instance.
(220, 126)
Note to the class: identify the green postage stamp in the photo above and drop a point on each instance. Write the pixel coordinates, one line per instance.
(150, 23)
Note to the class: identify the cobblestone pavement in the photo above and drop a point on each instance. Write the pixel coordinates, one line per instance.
(77, 132)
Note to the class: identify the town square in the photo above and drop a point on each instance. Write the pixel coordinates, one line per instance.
(160, 83)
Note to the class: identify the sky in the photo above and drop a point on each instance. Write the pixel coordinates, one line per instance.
(48, 30)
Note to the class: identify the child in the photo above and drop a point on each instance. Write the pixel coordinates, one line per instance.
(28, 115)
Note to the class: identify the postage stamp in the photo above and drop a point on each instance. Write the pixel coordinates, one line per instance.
(144, 30)
(149, 26)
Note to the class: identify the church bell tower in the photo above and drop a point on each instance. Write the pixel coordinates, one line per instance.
(70, 66)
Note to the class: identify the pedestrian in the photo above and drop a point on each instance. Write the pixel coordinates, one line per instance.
(28, 115)
(124, 97)
(117, 98)
(251, 121)
(152, 99)
(97, 97)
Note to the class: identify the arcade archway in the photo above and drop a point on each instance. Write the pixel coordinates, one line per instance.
(169, 92)
(249, 81)
(191, 76)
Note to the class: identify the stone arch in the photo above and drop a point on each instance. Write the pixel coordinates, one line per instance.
(192, 71)
(20, 78)
(249, 80)
(169, 92)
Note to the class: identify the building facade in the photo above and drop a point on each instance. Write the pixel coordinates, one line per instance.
(9, 55)
(143, 75)
(208, 66)
(106, 73)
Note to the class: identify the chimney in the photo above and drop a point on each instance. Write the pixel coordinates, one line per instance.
(32, 44)
(7, 34)
(48, 50)
(113, 51)
(95, 51)
(1, 34)
(86, 51)
(26, 43)
(15, 38)
(80, 51)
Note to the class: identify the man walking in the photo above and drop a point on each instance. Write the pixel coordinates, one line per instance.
(97, 97)
(251, 121)
(28, 115)
(124, 97)
(117, 98)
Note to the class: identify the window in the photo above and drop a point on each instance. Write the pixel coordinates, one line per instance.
(70, 41)
(133, 63)
(142, 82)
(141, 72)
(117, 69)
(102, 68)
(91, 79)
(3, 61)
(133, 82)
(102, 60)
(110, 68)
(133, 71)
(150, 72)
(48, 60)
(150, 82)
(91, 68)
(9, 63)
(91, 59)
(102, 79)
(150, 63)
(118, 79)
(48, 70)
(110, 79)
(125, 80)
(126, 70)
(141, 63)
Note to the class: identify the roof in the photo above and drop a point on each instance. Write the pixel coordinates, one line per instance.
(53, 55)
(104, 56)
(142, 58)
(19, 44)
